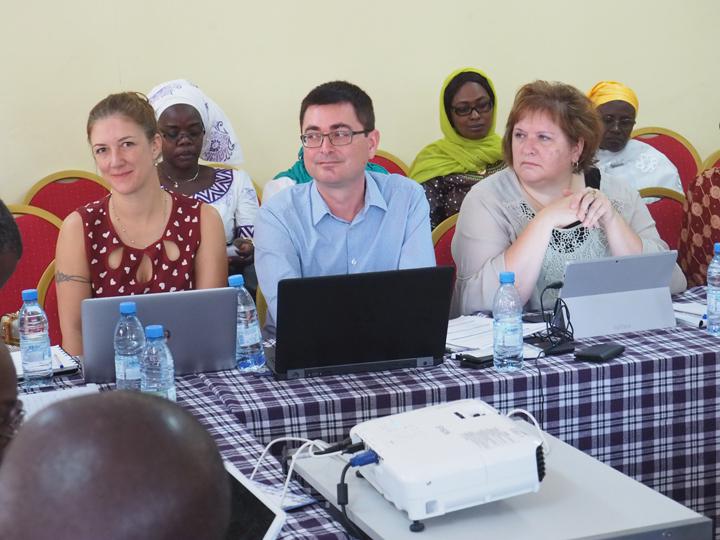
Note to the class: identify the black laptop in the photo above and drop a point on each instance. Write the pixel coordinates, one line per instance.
(361, 322)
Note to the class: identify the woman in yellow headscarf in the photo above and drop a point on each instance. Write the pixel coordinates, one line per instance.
(637, 163)
(470, 149)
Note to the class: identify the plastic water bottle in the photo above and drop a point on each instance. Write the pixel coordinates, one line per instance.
(713, 293)
(34, 332)
(507, 325)
(249, 353)
(129, 343)
(157, 368)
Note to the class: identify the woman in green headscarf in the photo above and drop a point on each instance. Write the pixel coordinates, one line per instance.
(470, 149)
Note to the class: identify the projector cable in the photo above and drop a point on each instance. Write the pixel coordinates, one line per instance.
(365, 458)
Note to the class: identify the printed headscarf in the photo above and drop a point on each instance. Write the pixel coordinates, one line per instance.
(220, 144)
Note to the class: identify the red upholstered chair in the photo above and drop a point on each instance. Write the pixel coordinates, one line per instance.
(61, 193)
(392, 163)
(442, 237)
(701, 227)
(667, 212)
(47, 296)
(39, 230)
(712, 161)
(676, 148)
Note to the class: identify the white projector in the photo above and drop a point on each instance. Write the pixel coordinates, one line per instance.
(450, 456)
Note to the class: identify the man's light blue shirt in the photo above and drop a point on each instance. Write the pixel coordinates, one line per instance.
(296, 235)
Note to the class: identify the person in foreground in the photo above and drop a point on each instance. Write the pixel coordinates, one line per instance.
(638, 163)
(193, 127)
(469, 151)
(11, 408)
(140, 238)
(113, 465)
(549, 206)
(347, 220)
(10, 244)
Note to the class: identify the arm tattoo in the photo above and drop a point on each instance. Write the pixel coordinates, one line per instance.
(60, 277)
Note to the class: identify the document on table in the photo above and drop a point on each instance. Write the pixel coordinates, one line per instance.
(33, 403)
(474, 335)
(62, 362)
(690, 312)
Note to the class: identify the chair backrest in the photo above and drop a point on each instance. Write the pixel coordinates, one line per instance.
(47, 296)
(63, 192)
(392, 163)
(261, 305)
(39, 230)
(667, 212)
(701, 227)
(442, 237)
(712, 161)
(676, 148)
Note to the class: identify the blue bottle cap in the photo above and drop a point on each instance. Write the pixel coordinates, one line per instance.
(127, 308)
(154, 331)
(507, 277)
(717, 248)
(29, 295)
(236, 280)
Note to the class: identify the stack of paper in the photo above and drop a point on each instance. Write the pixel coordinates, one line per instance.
(474, 336)
(33, 403)
(62, 362)
(690, 312)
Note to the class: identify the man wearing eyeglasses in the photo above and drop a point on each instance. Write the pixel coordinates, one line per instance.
(620, 155)
(347, 220)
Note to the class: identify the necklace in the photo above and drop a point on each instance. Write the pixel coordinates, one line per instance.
(124, 230)
(176, 183)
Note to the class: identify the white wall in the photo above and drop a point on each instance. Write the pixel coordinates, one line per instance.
(259, 59)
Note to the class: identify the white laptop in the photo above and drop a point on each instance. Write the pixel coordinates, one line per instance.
(200, 326)
(254, 515)
(619, 294)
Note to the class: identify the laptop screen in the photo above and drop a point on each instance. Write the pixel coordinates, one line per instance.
(362, 318)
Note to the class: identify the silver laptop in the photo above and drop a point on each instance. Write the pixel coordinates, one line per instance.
(200, 326)
(619, 294)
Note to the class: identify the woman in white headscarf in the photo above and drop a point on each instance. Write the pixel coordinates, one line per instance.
(619, 154)
(193, 127)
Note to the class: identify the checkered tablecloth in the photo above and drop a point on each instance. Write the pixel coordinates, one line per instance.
(238, 446)
(651, 413)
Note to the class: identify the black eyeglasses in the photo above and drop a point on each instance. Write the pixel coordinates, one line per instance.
(339, 137)
(623, 123)
(10, 421)
(466, 109)
(194, 135)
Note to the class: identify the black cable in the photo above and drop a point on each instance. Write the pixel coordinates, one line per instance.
(556, 334)
(541, 408)
(342, 500)
(337, 447)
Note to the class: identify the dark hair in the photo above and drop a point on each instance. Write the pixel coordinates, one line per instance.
(132, 105)
(569, 108)
(341, 92)
(456, 83)
(9, 234)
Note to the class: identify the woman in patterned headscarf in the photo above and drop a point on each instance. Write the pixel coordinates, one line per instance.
(621, 156)
(470, 149)
(193, 127)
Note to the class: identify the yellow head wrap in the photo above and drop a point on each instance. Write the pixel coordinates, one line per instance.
(454, 153)
(605, 91)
